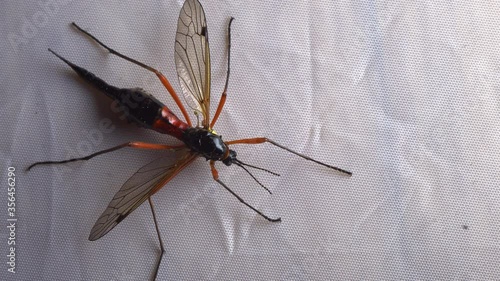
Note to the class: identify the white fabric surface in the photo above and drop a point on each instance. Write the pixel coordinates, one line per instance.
(404, 94)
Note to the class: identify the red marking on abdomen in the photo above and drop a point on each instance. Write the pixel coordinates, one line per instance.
(168, 123)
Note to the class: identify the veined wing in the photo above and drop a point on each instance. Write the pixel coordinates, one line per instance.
(144, 183)
(192, 58)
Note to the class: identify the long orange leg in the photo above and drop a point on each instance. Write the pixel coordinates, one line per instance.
(262, 140)
(215, 175)
(138, 145)
(162, 78)
(222, 100)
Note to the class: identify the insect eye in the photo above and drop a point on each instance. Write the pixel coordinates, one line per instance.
(229, 160)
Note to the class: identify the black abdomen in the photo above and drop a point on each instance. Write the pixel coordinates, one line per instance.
(139, 107)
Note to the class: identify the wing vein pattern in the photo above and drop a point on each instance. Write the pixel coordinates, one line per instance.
(137, 189)
(192, 58)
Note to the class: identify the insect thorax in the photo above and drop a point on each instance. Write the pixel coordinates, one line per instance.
(206, 143)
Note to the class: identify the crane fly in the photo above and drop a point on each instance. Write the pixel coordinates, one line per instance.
(192, 59)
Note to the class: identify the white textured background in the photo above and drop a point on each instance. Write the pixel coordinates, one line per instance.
(403, 94)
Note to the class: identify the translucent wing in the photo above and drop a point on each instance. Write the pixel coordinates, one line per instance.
(144, 183)
(192, 58)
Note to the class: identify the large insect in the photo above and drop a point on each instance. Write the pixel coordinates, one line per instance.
(192, 58)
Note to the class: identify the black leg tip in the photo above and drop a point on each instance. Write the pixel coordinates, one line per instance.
(30, 166)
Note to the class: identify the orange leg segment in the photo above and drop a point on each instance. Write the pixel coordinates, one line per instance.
(173, 94)
(262, 140)
(222, 101)
(155, 146)
(248, 141)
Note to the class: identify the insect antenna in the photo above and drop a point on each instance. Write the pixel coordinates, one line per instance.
(237, 161)
(215, 175)
(253, 177)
